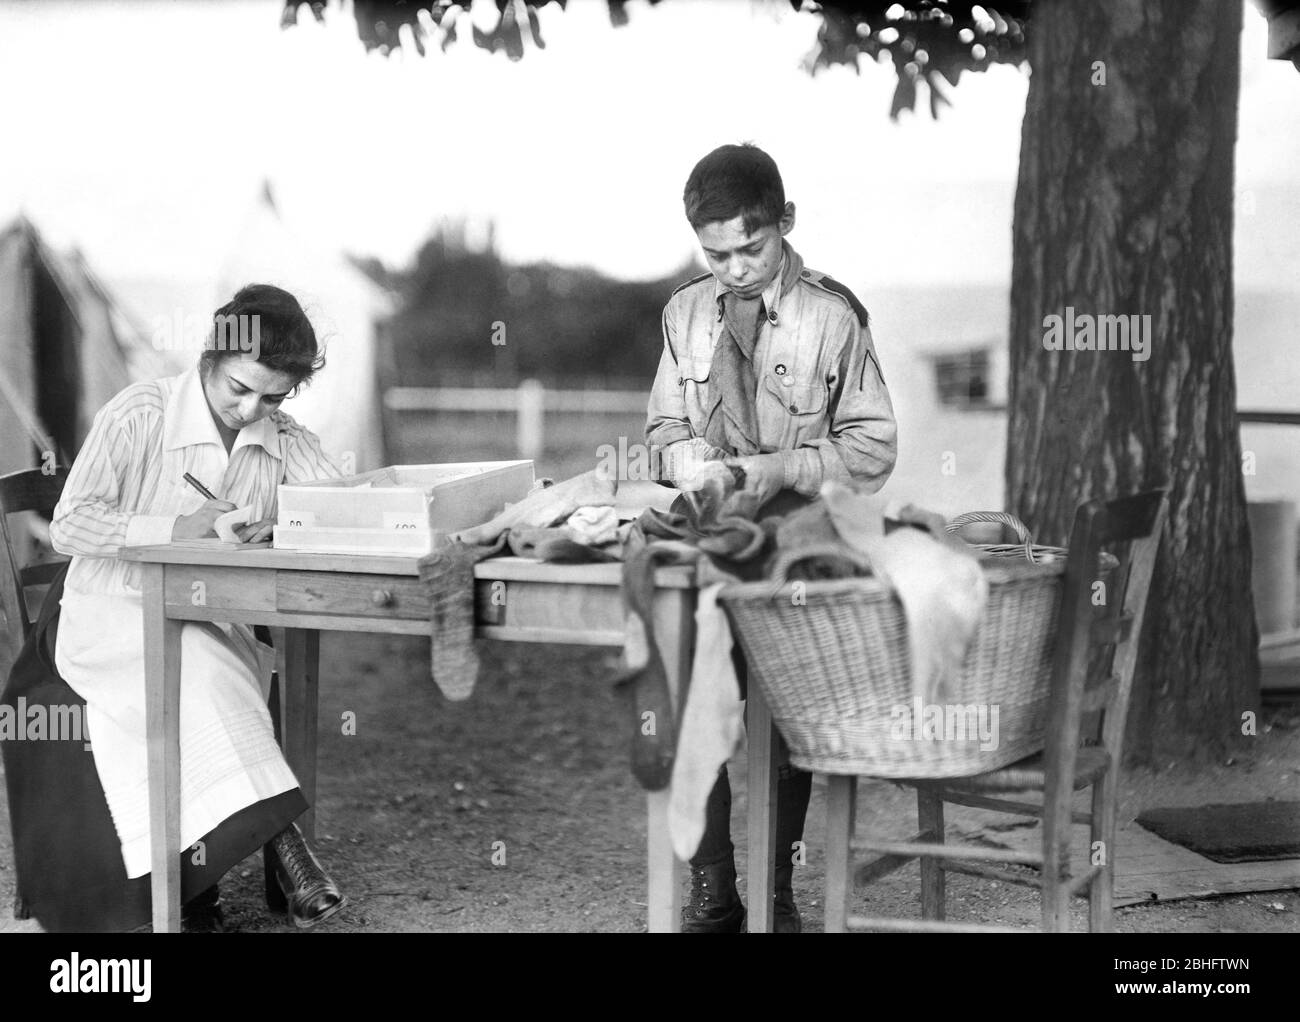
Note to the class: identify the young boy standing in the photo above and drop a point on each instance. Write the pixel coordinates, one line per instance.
(770, 366)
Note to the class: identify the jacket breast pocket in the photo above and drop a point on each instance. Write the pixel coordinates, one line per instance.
(794, 410)
(694, 381)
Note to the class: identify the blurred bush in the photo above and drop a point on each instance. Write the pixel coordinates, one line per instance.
(466, 317)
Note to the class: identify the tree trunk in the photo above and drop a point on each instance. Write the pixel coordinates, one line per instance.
(1124, 206)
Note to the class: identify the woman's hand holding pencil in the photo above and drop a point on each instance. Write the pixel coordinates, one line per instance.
(201, 524)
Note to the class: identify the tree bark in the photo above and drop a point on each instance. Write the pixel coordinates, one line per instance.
(1124, 206)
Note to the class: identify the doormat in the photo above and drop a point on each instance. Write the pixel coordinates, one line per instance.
(1249, 832)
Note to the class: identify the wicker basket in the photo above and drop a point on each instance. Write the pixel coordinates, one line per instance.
(835, 668)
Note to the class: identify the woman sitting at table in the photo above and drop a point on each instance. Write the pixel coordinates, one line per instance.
(221, 422)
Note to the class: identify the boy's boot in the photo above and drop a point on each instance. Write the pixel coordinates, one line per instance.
(713, 905)
(793, 788)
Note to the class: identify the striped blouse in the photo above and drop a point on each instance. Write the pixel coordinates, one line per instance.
(126, 487)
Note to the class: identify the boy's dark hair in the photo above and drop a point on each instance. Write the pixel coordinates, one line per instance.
(286, 340)
(732, 181)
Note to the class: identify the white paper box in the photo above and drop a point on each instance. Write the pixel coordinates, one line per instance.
(395, 510)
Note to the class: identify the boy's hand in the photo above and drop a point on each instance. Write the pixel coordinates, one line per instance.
(199, 525)
(764, 474)
(683, 460)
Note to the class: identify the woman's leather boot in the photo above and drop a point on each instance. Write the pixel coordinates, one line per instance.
(202, 913)
(313, 896)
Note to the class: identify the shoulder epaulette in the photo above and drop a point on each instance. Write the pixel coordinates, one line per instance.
(833, 285)
(693, 281)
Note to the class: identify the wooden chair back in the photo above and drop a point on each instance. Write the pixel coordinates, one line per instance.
(25, 491)
(1099, 630)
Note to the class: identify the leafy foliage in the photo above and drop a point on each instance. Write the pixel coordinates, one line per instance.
(555, 319)
(927, 40)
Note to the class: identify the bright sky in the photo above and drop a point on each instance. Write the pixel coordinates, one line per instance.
(141, 132)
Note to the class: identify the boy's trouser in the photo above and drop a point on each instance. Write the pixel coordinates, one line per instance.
(793, 788)
(793, 785)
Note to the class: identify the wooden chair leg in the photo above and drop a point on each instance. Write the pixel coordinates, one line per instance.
(275, 899)
(841, 805)
(929, 815)
(1105, 795)
(1056, 860)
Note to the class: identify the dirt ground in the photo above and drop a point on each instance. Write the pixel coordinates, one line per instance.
(412, 806)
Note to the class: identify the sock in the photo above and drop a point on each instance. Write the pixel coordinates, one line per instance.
(448, 574)
(711, 728)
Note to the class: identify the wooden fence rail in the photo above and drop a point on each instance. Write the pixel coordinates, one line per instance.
(529, 402)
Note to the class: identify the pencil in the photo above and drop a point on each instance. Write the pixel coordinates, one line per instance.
(200, 487)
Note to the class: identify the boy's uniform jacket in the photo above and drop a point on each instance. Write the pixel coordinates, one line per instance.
(821, 398)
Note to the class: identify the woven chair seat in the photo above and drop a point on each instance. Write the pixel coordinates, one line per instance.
(1028, 774)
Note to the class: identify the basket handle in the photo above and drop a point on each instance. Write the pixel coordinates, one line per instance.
(787, 559)
(1001, 518)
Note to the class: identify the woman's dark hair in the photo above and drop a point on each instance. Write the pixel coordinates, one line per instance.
(264, 323)
(735, 181)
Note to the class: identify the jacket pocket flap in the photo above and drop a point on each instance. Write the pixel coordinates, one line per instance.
(797, 398)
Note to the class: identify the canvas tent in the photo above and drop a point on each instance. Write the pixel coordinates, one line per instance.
(341, 405)
(66, 347)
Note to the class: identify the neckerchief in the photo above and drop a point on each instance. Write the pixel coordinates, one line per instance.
(732, 421)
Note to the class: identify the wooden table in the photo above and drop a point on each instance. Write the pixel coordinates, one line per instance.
(306, 593)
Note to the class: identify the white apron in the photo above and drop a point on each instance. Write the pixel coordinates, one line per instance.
(229, 758)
